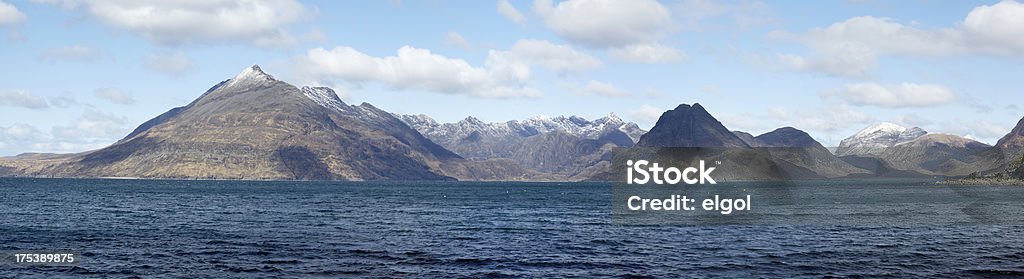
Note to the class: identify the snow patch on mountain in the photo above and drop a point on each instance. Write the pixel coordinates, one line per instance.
(875, 138)
(574, 125)
(324, 96)
(251, 76)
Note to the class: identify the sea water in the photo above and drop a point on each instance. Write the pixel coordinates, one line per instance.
(173, 228)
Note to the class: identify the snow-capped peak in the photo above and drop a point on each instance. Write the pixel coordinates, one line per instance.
(884, 127)
(251, 75)
(612, 116)
(418, 119)
(573, 125)
(324, 96)
(876, 137)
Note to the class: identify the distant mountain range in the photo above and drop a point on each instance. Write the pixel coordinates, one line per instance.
(562, 147)
(903, 151)
(254, 126)
(912, 150)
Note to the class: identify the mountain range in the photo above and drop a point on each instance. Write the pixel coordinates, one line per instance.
(911, 151)
(561, 147)
(254, 126)
(785, 153)
(880, 150)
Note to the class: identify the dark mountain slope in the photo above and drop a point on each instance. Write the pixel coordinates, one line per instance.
(689, 126)
(256, 127)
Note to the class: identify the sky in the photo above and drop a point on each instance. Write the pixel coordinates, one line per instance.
(80, 74)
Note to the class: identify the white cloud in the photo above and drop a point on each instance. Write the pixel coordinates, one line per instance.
(454, 39)
(93, 129)
(911, 120)
(342, 93)
(847, 65)
(594, 87)
(173, 63)
(828, 124)
(258, 22)
(559, 58)
(851, 48)
(896, 96)
(22, 99)
(115, 95)
(10, 15)
(606, 23)
(16, 138)
(745, 123)
(75, 53)
(646, 115)
(648, 53)
(830, 119)
(502, 75)
(62, 101)
(93, 125)
(21, 133)
(997, 29)
(510, 12)
(978, 130)
(985, 130)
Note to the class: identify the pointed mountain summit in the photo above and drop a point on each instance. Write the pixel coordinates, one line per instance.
(251, 76)
(689, 126)
(254, 126)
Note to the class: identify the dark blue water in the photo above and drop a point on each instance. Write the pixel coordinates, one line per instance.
(316, 229)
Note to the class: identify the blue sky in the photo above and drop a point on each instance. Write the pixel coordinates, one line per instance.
(83, 73)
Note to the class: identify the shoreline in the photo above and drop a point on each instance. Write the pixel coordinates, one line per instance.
(983, 182)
